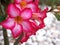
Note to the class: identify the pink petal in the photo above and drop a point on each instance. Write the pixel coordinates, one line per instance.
(32, 6)
(8, 23)
(43, 13)
(17, 1)
(26, 13)
(24, 38)
(41, 25)
(17, 30)
(18, 6)
(28, 0)
(27, 27)
(36, 15)
(13, 11)
(34, 25)
(37, 2)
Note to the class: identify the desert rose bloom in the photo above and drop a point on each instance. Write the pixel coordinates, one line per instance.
(35, 9)
(24, 16)
(18, 21)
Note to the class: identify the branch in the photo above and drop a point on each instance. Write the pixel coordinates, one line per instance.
(6, 41)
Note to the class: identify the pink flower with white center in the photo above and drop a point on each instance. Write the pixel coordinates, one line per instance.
(18, 21)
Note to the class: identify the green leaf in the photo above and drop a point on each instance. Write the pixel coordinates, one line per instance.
(2, 17)
(57, 16)
(50, 2)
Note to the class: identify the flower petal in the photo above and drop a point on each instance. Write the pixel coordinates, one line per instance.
(17, 30)
(13, 11)
(26, 13)
(27, 27)
(43, 13)
(28, 0)
(8, 23)
(18, 6)
(17, 1)
(34, 25)
(32, 6)
(24, 38)
(37, 2)
(41, 25)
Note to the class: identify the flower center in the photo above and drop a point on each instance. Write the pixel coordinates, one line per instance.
(18, 19)
(23, 3)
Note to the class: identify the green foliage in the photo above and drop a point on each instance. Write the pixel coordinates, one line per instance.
(3, 5)
(2, 17)
(5, 2)
(57, 16)
(50, 2)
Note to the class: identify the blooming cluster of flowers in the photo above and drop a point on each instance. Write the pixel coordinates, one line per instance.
(23, 16)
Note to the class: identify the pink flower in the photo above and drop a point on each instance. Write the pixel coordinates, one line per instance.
(24, 16)
(18, 21)
(37, 13)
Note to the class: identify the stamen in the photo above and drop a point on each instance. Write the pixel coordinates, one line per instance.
(18, 19)
(23, 3)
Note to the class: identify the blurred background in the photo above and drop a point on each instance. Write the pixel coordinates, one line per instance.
(49, 35)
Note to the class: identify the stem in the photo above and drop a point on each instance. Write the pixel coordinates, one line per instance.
(18, 39)
(6, 41)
